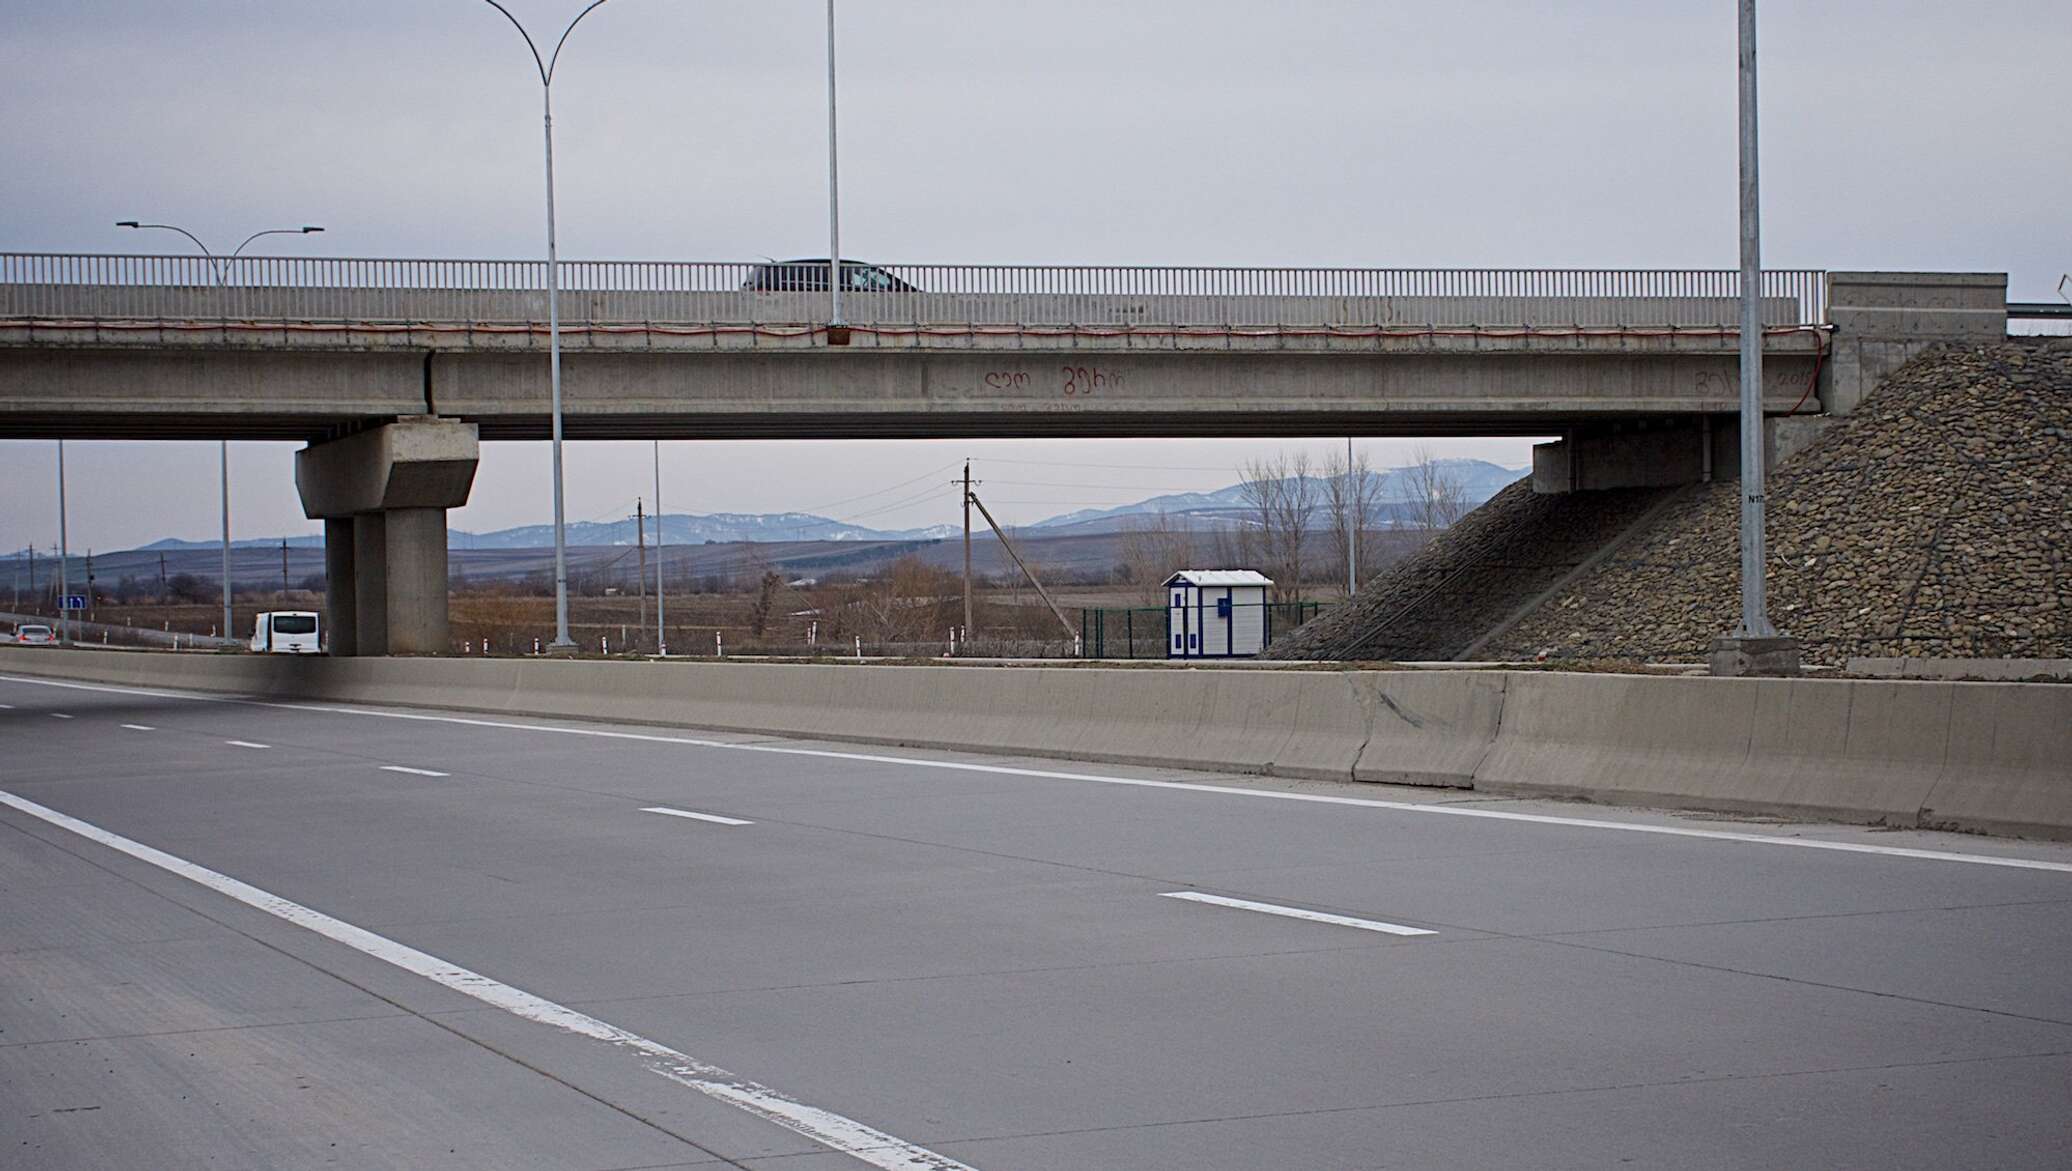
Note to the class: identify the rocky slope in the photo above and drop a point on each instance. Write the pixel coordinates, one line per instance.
(1935, 521)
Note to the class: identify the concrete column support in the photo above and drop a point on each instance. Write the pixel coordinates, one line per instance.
(417, 620)
(389, 488)
(370, 572)
(341, 616)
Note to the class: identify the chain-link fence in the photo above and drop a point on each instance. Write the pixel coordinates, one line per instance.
(1145, 632)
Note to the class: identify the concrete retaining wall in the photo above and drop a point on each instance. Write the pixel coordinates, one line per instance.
(1991, 757)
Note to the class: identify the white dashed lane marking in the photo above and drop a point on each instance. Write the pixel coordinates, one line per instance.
(1195, 896)
(714, 818)
(859, 1141)
(415, 772)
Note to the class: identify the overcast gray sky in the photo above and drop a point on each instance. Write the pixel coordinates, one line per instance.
(1897, 134)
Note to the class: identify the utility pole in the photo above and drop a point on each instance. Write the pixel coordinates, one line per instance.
(640, 578)
(89, 585)
(1000, 533)
(161, 577)
(1353, 489)
(284, 573)
(967, 552)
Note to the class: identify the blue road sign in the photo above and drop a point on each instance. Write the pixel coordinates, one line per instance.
(74, 602)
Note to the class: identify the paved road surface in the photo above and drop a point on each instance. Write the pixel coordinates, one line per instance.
(240, 935)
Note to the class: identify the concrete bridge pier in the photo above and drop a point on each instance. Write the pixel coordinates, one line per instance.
(382, 495)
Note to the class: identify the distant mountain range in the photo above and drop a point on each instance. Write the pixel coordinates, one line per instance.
(1223, 508)
(1227, 507)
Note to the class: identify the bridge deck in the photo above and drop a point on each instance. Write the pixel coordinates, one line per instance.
(151, 347)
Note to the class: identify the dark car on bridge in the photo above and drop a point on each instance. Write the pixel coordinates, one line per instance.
(810, 276)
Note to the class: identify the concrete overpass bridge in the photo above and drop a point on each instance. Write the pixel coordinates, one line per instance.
(393, 369)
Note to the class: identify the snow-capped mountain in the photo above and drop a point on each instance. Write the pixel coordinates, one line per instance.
(1225, 507)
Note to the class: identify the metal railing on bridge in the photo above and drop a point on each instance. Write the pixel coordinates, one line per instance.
(322, 289)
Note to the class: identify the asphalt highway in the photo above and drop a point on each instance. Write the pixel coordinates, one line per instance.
(240, 934)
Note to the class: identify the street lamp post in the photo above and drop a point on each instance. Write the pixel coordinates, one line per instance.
(834, 187)
(661, 593)
(562, 642)
(1755, 646)
(64, 556)
(216, 265)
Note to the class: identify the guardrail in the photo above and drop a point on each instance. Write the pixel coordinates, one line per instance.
(69, 285)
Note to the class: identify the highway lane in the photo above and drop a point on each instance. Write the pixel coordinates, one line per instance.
(981, 963)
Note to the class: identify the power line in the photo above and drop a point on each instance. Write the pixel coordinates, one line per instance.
(1228, 470)
(882, 491)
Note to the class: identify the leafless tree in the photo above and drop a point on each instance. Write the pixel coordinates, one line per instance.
(1153, 549)
(1281, 497)
(1352, 494)
(1437, 495)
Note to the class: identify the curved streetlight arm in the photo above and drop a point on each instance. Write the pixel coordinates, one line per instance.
(556, 58)
(304, 230)
(214, 266)
(539, 64)
(546, 66)
(171, 228)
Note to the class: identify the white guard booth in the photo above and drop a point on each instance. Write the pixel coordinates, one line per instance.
(1216, 613)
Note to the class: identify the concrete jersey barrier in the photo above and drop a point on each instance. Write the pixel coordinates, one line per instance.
(1989, 757)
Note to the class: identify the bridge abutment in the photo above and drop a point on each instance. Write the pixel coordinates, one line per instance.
(1881, 319)
(383, 495)
(1661, 453)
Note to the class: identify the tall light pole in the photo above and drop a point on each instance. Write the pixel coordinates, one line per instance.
(661, 595)
(834, 186)
(216, 265)
(64, 555)
(562, 641)
(1754, 646)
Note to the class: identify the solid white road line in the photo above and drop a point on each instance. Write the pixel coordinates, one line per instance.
(825, 1127)
(1195, 896)
(714, 818)
(415, 772)
(1674, 831)
(245, 744)
(140, 727)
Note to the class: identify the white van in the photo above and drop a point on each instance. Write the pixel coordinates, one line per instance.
(286, 632)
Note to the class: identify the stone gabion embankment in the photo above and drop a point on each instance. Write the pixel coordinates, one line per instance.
(1935, 521)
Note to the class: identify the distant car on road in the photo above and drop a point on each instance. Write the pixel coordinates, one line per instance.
(810, 276)
(31, 634)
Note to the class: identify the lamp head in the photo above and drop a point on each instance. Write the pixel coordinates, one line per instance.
(127, 224)
(308, 228)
